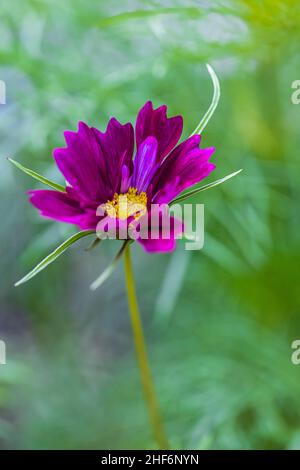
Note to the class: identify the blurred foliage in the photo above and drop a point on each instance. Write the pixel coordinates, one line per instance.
(219, 326)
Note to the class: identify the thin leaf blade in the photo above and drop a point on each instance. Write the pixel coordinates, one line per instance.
(37, 176)
(110, 269)
(214, 103)
(53, 256)
(93, 244)
(205, 187)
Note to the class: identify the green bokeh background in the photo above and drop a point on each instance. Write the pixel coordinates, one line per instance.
(219, 322)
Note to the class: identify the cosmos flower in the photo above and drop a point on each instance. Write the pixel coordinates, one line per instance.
(124, 176)
(108, 181)
(100, 169)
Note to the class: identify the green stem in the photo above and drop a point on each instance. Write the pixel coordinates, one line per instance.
(141, 353)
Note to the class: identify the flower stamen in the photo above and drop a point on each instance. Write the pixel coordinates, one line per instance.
(126, 205)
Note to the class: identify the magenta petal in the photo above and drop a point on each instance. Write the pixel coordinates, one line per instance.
(184, 167)
(82, 164)
(116, 145)
(144, 164)
(89, 221)
(62, 207)
(158, 230)
(182, 149)
(125, 179)
(154, 122)
(160, 244)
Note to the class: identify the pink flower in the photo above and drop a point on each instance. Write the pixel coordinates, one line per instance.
(99, 169)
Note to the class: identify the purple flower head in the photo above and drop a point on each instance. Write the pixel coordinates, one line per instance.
(99, 169)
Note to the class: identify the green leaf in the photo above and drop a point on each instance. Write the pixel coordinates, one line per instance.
(54, 255)
(38, 177)
(93, 244)
(190, 12)
(216, 97)
(203, 188)
(110, 269)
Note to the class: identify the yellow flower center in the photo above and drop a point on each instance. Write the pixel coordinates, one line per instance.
(123, 206)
